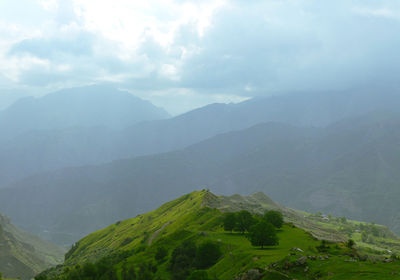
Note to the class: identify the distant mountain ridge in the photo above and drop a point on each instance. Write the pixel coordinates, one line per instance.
(344, 169)
(89, 106)
(76, 126)
(65, 147)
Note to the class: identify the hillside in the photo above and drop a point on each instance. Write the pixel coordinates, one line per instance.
(347, 170)
(135, 243)
(22, 255)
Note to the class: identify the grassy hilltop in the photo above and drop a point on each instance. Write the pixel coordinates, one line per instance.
(136, 244)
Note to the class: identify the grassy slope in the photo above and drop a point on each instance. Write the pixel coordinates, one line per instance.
(187, 218)
(23, 254)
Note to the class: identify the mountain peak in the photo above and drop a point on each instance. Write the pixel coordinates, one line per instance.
(82, 107)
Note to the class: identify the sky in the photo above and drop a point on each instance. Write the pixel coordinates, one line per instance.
(184, 54)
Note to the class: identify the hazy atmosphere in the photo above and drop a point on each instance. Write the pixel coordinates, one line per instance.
(184, 54)
(199, 140)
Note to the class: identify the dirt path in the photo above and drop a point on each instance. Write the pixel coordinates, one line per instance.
(155, 234)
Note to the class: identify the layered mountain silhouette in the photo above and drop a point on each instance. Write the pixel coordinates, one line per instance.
(96, 125)
(348, 168)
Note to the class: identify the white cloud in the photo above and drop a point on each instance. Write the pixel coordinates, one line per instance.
(382, 12)
(49, 5)
(199, 51)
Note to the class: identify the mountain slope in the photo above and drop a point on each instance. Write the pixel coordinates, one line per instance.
(135, 243)
(24, 255)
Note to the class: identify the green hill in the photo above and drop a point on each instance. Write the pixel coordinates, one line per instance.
(197, 217)
(22, 254)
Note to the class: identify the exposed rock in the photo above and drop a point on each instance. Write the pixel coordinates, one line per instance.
(297, 249)
(301, 261)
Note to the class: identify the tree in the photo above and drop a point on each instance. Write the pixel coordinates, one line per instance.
(263, 234)
(244, 221)
(229, 221)
(274, 217)
(323, 247)
(207, 255)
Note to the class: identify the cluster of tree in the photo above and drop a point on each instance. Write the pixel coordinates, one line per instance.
(104, 269)
(188, 261)
(261, 230)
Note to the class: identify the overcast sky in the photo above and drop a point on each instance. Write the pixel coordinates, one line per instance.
(183, 54)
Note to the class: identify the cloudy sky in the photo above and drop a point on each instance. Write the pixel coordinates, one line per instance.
(183, 54)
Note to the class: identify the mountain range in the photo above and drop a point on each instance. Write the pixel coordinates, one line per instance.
(348, 168)
(95, 125)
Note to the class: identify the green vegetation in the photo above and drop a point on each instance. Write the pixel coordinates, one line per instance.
(22, 255)
(263, 234)
(198, 275)
(244, 220)
(207, 255)
(369, 238)
(274, 217)
(240, 221)
(186, 239)
(229, 221)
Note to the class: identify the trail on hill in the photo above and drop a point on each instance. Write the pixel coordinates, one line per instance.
(155, 234)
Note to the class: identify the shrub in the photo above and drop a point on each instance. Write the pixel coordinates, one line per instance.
(182, 260)
(323, 247)
(350, 243)
(161, 253)
(207, 255)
